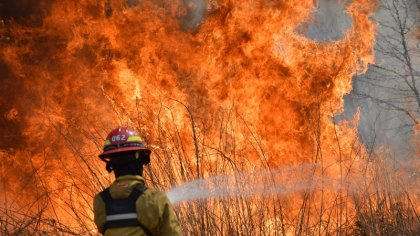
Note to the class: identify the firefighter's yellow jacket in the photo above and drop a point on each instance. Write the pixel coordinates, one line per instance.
(154, 210)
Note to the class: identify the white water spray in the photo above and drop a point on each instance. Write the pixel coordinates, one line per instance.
(284, 181)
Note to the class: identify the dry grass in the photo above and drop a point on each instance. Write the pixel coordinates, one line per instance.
(381, 204)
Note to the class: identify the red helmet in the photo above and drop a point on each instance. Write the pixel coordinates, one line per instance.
(123, 139)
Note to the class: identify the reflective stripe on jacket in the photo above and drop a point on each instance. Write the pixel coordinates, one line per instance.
(154, 210)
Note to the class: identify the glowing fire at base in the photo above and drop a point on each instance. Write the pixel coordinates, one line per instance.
(241, 90)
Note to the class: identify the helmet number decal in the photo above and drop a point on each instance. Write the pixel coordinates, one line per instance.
(120, 137)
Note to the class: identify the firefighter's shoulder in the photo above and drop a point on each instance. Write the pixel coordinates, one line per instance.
(153, 198)
(152, 206)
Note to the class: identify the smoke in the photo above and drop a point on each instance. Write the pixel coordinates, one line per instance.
(383, 94)
(330, 21)
(380, 124)
(29, 13)
(196, 10)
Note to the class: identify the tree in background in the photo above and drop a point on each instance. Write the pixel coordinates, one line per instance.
(389, 94)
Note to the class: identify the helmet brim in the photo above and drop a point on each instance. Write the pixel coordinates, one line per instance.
(105, 154)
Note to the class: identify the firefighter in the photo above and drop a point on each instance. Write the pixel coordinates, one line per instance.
(128, 207)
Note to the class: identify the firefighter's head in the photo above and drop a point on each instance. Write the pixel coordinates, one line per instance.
(124, 152)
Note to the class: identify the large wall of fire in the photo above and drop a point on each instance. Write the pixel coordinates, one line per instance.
(72, 70)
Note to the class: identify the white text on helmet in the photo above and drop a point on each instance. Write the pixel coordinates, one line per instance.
(120, 137)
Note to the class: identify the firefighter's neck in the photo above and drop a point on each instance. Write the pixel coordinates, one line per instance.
(128, 170)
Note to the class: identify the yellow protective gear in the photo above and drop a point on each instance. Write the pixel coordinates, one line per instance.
(154, 210)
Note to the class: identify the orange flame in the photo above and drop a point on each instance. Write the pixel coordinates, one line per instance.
(244, 83)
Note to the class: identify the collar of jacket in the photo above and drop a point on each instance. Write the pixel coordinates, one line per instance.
(131, 178)
(122, 186)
